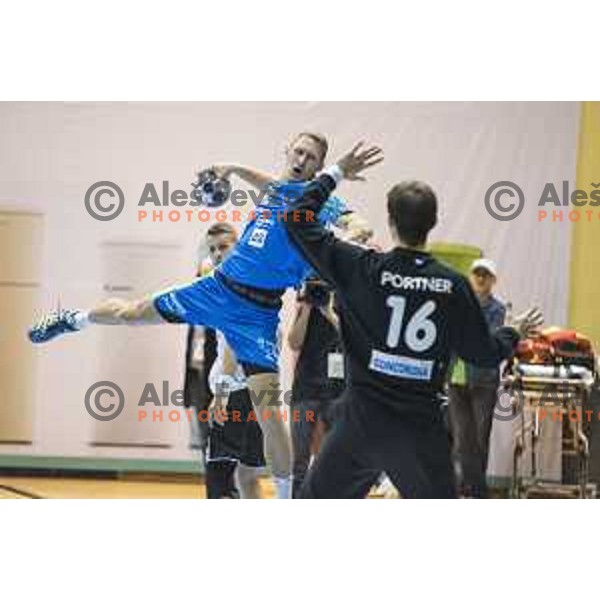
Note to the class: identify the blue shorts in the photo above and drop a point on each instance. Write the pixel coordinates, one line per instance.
(250, 329)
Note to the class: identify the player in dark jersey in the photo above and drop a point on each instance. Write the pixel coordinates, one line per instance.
(403, 314)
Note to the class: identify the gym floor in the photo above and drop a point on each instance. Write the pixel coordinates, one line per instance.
(130, 487)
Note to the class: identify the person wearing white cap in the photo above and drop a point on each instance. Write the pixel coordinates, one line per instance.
(481, 269)
(473, 396)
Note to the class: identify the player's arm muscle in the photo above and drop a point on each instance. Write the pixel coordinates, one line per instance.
(472, 338)
(254, 177)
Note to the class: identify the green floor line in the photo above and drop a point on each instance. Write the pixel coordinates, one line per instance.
(15, 461)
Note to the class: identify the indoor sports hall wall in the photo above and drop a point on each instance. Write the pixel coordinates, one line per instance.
(51, 153)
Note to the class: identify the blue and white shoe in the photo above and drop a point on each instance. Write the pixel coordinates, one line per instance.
(52, 325)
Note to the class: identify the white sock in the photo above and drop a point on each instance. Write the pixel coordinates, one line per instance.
(283, 485)
(82, 319)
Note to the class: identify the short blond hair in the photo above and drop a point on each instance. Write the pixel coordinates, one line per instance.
(318, 138)
(222, 228)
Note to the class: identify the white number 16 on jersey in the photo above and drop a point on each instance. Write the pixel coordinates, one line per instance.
(420, 332)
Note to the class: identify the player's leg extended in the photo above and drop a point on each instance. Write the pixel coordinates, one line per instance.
(114, 311)
(251, 332)
(341, 469)
(264, 386)
(417, 459)
(193, 303)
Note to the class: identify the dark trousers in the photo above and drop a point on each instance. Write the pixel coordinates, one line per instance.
(220, 482)
(471, 410)
(367, 440)
(303, 433)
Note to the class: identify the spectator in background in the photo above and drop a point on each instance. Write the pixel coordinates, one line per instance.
(201, 356)
(318, 375)
(473, 392)
(235, 455)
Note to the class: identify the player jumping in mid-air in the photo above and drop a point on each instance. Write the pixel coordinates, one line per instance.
(242, 297)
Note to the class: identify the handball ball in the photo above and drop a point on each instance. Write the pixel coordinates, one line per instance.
(211, 190)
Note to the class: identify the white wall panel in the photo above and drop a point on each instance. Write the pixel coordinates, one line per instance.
(134, 357)
(50, 153)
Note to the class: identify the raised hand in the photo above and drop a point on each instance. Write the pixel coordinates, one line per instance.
(359, 159)
(527, 322)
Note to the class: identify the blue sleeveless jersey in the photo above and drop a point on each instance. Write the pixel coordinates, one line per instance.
(265, 257)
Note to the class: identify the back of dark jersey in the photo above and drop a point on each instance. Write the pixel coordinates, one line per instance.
(403, 313)
(397, 327)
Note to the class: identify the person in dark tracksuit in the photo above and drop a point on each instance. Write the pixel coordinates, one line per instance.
(403, 314)
(318, 375)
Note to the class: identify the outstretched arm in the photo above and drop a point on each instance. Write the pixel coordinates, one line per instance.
(333, 258)
(471, 336)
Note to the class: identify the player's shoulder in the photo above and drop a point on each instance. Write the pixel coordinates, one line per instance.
(282, 192)
(440, 269)
(443, 268)
(496, 305)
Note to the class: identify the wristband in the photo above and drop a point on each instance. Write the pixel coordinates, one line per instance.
(335, 172)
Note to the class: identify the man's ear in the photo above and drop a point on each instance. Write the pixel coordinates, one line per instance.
(393, 230)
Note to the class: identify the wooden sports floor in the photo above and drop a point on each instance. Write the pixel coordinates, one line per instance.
(79, 488)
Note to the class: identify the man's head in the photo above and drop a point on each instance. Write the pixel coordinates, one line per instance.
(220, 238)
(412, 212)
(483, 277)
(305, 156)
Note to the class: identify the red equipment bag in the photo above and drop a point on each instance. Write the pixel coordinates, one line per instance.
(557, 346)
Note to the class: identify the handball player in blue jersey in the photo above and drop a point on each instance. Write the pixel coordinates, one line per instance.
(242, 297)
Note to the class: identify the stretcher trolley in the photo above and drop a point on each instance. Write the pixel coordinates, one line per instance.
(549, 381)
(541, 394)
